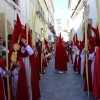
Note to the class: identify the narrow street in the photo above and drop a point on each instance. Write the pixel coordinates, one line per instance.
(66, 86)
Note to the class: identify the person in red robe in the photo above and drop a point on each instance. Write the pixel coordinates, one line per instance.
(92, 46)
(91, 50)
(2, 73)
(47, 49)
(22, 89)
(96, 81)
(34, 72)
(39, 49)
(55, 55)
(61, 57)
(96, 77)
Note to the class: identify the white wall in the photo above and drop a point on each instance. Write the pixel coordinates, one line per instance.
(11, 12)
(78, 21)
(93, 12)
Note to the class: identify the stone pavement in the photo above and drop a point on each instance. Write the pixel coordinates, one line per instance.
(66, 86)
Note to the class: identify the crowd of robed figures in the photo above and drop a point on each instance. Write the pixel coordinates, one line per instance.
(25, 63)
(79, 62)
(61, 56)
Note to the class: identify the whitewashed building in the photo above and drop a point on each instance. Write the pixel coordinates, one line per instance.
(76, 9)
(12, 8)
(26, 11)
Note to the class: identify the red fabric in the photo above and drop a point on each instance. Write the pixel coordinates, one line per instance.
(34, 78)
(89, 77)
(91, 49)
(96, 80)
(48, 49)
(75, 40)
(39, 57)
(96, 32)
(22, 92)
(2, 95)
(56, 55)
(22, 89)
(91, 40)
(37, 62)
(75, 64)
(81, 46)
(16, 33)
(29, 43)
(79, 61)
(3, 66)
(44, 63)
(34, 70)
(61, 57)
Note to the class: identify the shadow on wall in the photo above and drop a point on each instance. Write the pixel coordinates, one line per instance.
(2, 26)
(81, 29)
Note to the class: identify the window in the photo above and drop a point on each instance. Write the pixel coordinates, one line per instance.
(16, 2)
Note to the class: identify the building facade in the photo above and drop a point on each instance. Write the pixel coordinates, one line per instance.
(44, 14)
(40, 12)
(12, 8)
(51, 10)
(76, 16)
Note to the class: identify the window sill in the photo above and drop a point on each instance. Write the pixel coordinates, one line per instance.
(15, 6)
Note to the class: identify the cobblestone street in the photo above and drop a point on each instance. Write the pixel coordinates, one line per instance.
(66, 86)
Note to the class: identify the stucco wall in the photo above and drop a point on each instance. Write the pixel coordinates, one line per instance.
(11, 15)
(78, 21)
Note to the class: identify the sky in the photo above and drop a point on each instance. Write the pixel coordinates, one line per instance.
(61, 11)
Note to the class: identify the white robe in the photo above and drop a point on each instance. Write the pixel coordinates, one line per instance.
(3, 73)
(92, 57)
(14, 80)
(26, 62)
(82, 61)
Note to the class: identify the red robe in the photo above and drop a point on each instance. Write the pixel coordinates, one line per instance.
(39, 59)
(79, 61)
(3, 66)
(55, 56)
(61, 57)
(22, 89)
(75, 64)
(35, 78)
(96, 81)
(2, 95)
(89, 72)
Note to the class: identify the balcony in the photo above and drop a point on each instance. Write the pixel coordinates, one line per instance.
(41, 13)
(52, 29)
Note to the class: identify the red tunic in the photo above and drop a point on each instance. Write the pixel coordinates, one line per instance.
(96, 81)
(61, 57)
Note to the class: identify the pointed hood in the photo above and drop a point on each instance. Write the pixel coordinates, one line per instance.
(96, 32)
(91, 40)
(29, 36)
(82, 44)
(18, 32)
(75, 40)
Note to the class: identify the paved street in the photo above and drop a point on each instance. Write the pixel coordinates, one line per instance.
(67, 86)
